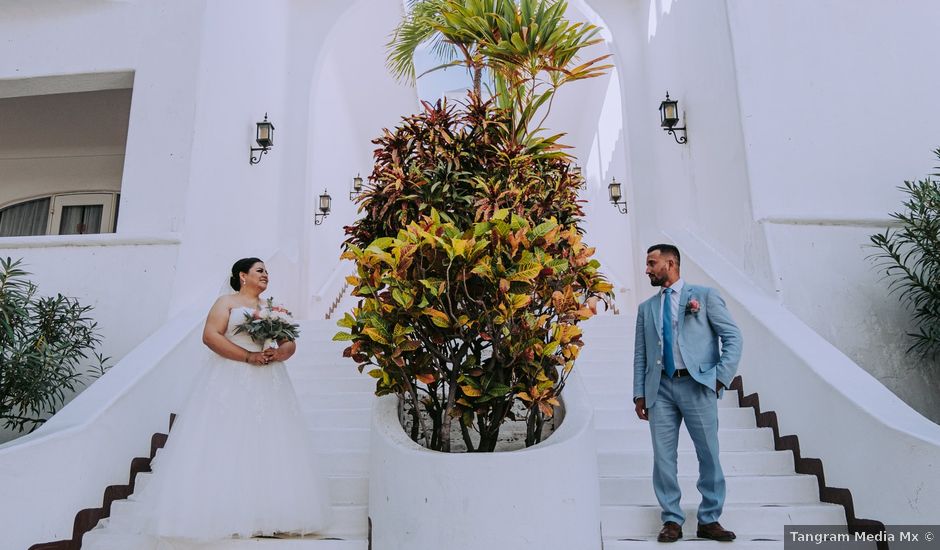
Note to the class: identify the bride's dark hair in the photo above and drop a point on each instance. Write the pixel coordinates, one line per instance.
(241, 266)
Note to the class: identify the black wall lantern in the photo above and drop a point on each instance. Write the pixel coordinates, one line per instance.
(669, 117)
(264, 137)
(616, 194)
(325, 201)
(356, 187)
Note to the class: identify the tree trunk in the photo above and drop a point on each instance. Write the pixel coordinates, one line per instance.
(445, 424)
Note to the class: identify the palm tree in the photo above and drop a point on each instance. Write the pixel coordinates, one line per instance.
(424, 24)
(527, 47)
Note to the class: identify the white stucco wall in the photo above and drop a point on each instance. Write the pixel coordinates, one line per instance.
(799, 131)
(125, 280)
(837, 112)
(50, 48)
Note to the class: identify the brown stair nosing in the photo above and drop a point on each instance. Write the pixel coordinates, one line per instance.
(88, 518)
(811, 466)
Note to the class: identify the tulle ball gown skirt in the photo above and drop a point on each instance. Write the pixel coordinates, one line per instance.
(239, 461)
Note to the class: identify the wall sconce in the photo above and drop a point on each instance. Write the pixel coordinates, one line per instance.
(265, 138)
(669, 117)
(613, 189)
(324, 208)
(356, 187)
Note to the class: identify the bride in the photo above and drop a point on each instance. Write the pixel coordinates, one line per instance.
(239, 459)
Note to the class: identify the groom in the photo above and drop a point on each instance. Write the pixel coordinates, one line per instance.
(678, 372)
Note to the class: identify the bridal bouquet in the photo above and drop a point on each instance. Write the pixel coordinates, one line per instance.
(268, 324)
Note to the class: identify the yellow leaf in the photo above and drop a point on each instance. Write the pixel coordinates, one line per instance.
(352, 280)
(375, 335)
(460, 246)
(520, 300)
(524, 396)
(526, 274)
(470, 391)
(602, 286)
(439, 318)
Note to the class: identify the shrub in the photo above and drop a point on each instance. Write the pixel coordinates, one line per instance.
(910, 257)
(469, 259)
(472, 272)
(43, 343)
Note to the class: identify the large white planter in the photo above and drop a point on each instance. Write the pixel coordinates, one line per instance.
(543, 497)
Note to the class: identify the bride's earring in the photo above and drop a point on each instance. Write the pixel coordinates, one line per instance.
(243, 282)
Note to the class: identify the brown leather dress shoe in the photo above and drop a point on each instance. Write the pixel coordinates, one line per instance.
(714, 531)
(671, 532)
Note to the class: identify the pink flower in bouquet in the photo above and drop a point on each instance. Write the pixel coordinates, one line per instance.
(693, 307)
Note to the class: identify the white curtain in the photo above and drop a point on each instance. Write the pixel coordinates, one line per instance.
(81, 220)
(26, 218)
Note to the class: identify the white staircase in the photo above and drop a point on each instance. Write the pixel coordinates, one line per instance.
(336, 401)
(764, 492)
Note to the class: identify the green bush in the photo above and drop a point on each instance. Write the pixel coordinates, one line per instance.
(469, 259)
(910, 258)
(473, 275)
(44, 342)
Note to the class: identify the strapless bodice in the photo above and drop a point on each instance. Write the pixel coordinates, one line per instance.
(235, 318)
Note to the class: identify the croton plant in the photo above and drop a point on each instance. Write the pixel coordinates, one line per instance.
(472, 274)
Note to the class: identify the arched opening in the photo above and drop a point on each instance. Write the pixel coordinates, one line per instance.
(352, 98)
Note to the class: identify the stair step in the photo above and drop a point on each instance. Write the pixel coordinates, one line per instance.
(349, 521)
(766, 542)
(791, 489)
(728, 417)
(349, 490)
(746, 520)
(317, 382)
(335, 418)
(105, 539)
(344, 489)
(640, 463)
(344, 463)
(638, 439)
(620, 397)
(339, 400)
(353, 439)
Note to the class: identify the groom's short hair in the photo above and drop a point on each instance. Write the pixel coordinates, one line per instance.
(666, 250)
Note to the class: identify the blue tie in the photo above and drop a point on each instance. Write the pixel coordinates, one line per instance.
(668, 359)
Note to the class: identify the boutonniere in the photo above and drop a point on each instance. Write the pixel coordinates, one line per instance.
(693, 307)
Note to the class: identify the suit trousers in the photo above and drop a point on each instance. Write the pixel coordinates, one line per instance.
(685, 399)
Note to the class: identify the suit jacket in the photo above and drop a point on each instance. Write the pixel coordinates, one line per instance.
(698, 335)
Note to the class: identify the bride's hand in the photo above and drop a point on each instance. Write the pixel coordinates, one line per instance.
(274, 354)
(257, 358)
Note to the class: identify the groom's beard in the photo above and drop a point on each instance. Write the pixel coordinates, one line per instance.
(657, 281)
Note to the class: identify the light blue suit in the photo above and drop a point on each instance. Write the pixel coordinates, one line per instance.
(669, 401)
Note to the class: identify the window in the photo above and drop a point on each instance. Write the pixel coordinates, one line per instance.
(25, 218)
(76, 214)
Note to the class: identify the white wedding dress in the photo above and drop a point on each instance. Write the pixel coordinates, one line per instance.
(239, 460)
